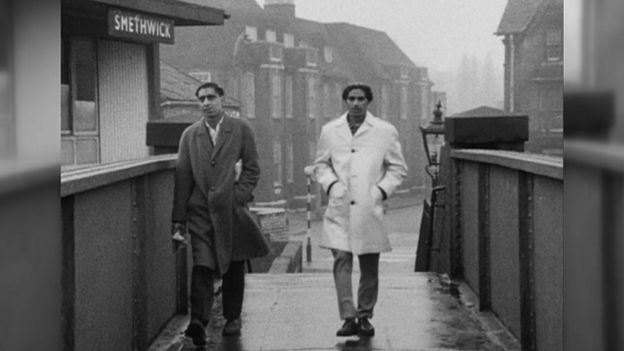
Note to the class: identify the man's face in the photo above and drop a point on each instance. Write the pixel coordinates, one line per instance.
(357, 102)
(209, 102)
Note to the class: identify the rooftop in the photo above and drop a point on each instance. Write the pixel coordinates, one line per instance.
(518, 15)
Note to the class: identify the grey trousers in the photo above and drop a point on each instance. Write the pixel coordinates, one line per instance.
(368, 287)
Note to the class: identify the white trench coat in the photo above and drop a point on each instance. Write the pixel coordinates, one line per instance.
(360, 163)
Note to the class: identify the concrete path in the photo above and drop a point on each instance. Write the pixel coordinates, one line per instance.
(298, 312)
(415, 311)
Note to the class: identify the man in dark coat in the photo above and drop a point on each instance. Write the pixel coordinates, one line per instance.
(216, 172)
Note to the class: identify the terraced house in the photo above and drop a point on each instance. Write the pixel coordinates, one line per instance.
(532, 32)
(288, 74)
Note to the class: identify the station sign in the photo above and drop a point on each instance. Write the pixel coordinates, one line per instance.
(140, 26)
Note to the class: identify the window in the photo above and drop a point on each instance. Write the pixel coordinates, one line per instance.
(311, 57)
(404, 72)
(425, 104)
(251, 32)
(277, 163)
(553, 44)
(276, 53)
(311, 151)
(79, 117)
(556, 123)
(384, 102)
(271, 36)
(289, 40)
(288, 92)
(232, 87)
(276, 95)
(290, 161)
(327, 101)
(249, 95)
(303, 44)
(405, 146)
(551, 98)
(338, 99)
(328, 53)
(201, 76)
(404, 104)
(312, 97)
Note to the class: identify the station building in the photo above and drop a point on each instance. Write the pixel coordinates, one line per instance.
(110, 73)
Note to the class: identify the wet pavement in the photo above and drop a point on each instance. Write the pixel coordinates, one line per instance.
(299, 312)
(415, 311)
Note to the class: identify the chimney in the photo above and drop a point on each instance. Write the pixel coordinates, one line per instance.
(281, 8)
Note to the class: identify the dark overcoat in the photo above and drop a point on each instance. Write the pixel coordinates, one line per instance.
(211, 201)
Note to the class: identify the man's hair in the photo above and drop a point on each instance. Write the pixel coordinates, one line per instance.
(368, 92)
(212, 85)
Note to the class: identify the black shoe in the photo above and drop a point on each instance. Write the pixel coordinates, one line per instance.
(197, 333)
(349, 328)
(232, 328)
(366, 328)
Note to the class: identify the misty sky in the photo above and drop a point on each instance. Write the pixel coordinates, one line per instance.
(433, 33)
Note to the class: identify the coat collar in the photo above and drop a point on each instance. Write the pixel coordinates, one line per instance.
(225, 132)
(370, 119)
(369, 122)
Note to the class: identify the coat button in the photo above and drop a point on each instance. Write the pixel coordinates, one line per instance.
(212, 163)
(352, 150)
(212, 188)
(352, 202)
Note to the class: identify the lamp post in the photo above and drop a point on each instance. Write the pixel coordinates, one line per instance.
(433, 139)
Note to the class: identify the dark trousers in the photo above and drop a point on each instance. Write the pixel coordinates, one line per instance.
(202, 292)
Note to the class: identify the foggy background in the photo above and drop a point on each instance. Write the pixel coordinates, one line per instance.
(454, 39)
(442, 35)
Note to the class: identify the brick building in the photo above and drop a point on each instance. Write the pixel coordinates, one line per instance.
(288, 73)
(532, 32)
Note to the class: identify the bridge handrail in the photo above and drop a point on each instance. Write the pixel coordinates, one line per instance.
(543, 165)
(84, 179)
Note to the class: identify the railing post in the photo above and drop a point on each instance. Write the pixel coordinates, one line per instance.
(490, 129)
(68, 274)
(485, 298)
(527, 261)
(482, 128)
(139, 300)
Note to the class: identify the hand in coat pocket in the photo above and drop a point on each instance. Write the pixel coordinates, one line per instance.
(241, 198)
(376, 194)
(338, 190)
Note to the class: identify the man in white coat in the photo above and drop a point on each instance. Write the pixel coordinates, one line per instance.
(359, 164)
